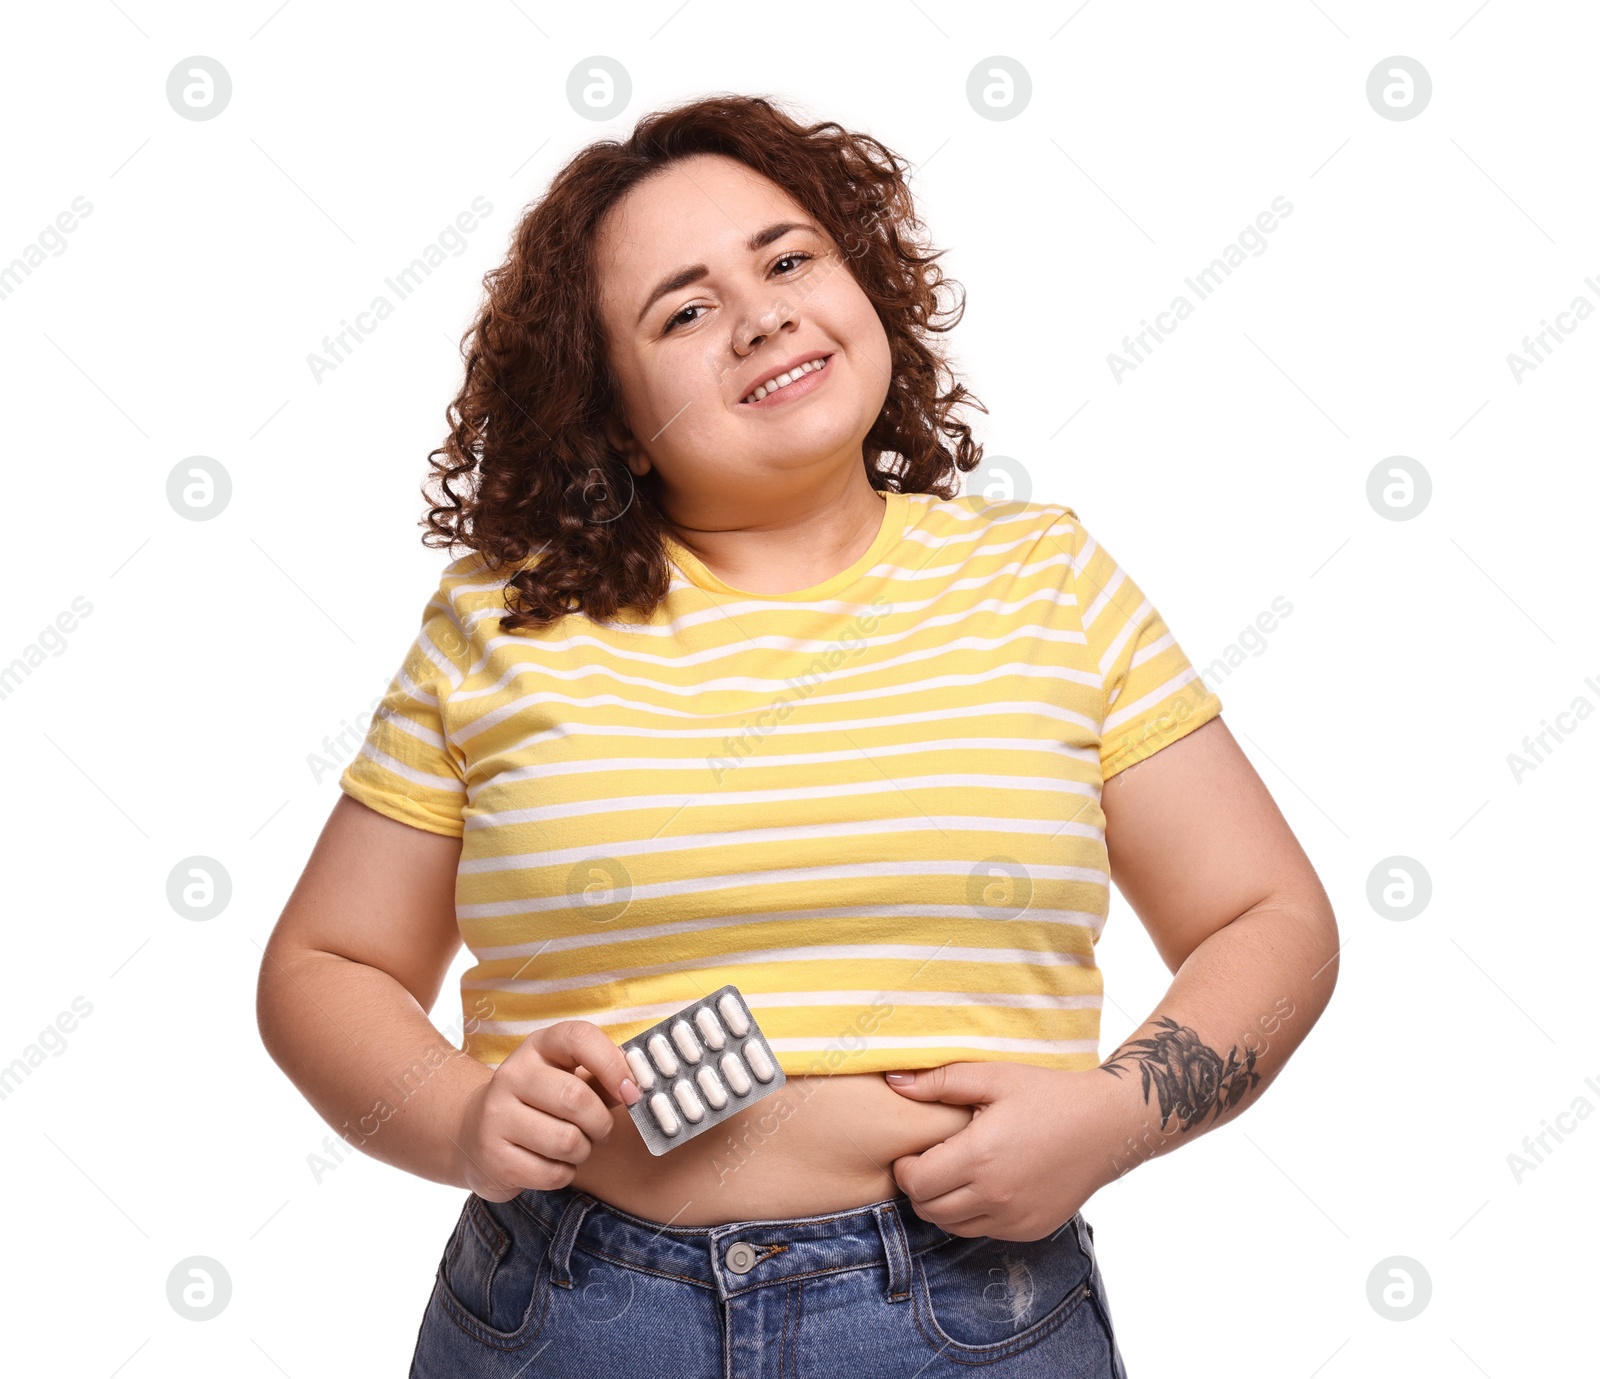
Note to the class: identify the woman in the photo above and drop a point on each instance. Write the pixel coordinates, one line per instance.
(729, 689)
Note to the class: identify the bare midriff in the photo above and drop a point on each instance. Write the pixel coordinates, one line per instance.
(817, 1144)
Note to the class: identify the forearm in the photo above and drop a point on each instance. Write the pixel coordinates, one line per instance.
(1236, 1011)
(365, 1055)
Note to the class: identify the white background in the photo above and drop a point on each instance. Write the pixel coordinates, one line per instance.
(1228, 469)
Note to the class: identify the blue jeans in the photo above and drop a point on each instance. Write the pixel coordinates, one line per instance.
(559, 1283)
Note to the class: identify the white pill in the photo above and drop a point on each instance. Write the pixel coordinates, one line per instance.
(687, 1044)
(710, 1030)
(756, 1055)
(733, 1013)
(661, 1053)
(690, 1103)
(733, 1071)
(661, 1109)
(641, 1069)
(707, 1078)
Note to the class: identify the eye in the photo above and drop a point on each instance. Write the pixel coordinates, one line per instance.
(676, 319)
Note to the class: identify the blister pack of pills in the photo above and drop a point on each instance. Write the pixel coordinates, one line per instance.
(697, 1067)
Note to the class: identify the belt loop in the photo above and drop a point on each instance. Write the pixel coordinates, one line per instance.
(572, 1215)
(896, 1251)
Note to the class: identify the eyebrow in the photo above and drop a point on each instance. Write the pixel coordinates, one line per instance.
(684, 276)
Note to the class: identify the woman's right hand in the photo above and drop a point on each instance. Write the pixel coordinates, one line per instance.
(536, 1119)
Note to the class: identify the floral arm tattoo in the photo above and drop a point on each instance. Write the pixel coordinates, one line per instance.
(1189, 1078)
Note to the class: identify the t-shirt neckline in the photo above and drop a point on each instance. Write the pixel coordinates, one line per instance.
(889, 532)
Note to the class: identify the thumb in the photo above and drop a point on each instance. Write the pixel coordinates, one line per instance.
(959, 1083)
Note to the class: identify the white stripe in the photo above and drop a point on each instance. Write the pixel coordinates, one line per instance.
(1139, 657)
(1129, 630)
(426, 645)
(1149, 649)
(404, 723)
(789, 1000)
(1020, 569)
(954, 1040)
(830, 914)
(883, 952)
(784, 795)
(1104, 598)
(986, 1043)
(884, 569)
(986, 524)
(1000, 708)
(1022, 669)
(785, 1000)
(1050, 751)
(449, 784)
(912, 823)
(415, 692)
(966, 516)
(776, 876)
(1156, 696)
(540, 655)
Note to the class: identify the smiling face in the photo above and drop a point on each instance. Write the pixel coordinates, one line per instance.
(712, 278)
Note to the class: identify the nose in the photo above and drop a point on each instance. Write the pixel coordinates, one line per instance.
(777, 313)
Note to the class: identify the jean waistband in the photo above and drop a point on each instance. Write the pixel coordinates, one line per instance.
(882, 1234)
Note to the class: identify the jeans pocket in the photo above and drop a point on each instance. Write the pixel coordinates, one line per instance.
(493, 1278)
(978, 1298)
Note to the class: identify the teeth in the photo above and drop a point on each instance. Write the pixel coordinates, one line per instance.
(811, 366)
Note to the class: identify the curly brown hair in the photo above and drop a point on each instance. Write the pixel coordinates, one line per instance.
(528, 423)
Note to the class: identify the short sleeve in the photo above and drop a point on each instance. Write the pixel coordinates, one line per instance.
(407, 767)
(1150, 693)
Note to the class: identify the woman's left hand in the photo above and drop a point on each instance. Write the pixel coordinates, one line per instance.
(1040, 1143)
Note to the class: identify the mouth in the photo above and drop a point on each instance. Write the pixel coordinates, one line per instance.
(802, 379)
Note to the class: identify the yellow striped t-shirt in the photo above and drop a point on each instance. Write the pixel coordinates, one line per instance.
(872, 805)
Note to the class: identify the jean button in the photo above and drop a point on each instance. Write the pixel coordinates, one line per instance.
(741, 1257)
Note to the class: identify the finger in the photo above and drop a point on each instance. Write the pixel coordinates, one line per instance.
(976, 1225)
(516, 1168)
(600, 1089)
(558, 1096)
(552, 1135)
(524, 1168)
(571, 1043)
(950, 1209)
(937, 1170)
(963, 1084)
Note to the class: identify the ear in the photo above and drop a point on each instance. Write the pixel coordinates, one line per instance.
(622, 441)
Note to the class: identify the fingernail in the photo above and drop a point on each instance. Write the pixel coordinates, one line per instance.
(901, 1079)
(630, 1091)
